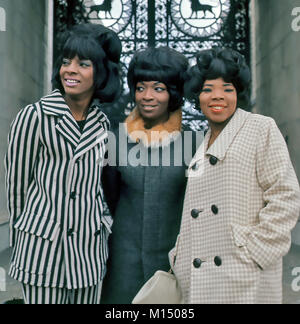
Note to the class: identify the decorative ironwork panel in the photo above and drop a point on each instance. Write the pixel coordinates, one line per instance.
(127, 18)
(192, 25)
(185, 25)
(68, 13)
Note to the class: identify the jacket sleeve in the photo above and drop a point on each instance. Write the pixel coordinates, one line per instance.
(111, 179)
(268, 241)
(23, 143)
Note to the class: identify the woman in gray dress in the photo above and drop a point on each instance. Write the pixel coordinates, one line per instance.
(145, 184)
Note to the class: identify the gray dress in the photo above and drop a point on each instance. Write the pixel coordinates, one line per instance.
(146, 203)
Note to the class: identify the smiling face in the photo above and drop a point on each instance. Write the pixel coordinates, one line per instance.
(218, 102)
(77, 77)
(152, 100)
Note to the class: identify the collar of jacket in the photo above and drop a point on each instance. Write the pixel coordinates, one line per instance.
(55, 104)
(159, 135)
(222, 143)
(96, 124)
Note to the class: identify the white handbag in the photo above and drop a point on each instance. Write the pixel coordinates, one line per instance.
(161, 288)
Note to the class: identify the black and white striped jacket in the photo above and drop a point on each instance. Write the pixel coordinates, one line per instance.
(53, 177)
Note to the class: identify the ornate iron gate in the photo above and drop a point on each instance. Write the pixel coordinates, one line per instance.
(185, 25)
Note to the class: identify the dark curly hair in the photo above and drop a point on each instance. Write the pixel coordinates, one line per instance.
(161, 64)
(219, 63)
(98, 44)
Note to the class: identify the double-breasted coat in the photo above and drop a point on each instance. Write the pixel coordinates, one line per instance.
(241, 203)
(53, 177)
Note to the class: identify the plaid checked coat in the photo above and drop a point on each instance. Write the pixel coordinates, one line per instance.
(241, 203)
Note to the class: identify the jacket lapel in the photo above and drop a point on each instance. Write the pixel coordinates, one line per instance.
(95, 129)
(55, 105)
(221, 145)
(68, 128)
(94, 132)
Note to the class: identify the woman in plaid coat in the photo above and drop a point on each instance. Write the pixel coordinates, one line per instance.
(242, 198)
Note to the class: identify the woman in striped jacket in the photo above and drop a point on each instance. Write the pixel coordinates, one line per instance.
(53, 169)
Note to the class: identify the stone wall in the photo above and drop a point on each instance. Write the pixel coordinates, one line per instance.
(23, 48)
(277, 67)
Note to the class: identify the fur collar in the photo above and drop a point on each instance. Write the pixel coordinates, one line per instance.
(159, 135)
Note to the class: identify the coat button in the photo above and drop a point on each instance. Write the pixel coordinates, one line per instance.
(73, 195)
(214, 209)
(213, 160)
(197, 263)
(196, 167)
(97, 232)
(70, 232)
(218, 261)
(195, 213)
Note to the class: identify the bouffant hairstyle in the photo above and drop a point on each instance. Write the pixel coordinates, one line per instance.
(98, 44)
(219, 63)
(161, 64)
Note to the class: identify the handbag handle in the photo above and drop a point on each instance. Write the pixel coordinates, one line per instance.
(175, 254)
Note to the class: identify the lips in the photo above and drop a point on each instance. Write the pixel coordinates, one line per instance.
(71, 82)
(217, 108)
(149, 107)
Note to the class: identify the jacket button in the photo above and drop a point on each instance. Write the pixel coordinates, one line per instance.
(73, 195)
(214, 209)
(218, 261)
(213, 160)
(196, 167)
(70, 232)
(195, 213)
(97, 232)
(197, 263)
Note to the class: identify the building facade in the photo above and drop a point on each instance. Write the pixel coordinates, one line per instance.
(276, 71)
(24, 54)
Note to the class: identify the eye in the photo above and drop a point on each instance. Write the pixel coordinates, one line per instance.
(139, 89)
(160, 89)
(206, 90)
(85, 63)
(229, 90)
(65, 61)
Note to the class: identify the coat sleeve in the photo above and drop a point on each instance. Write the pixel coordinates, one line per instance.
(23, 143)
(111, 179)
(271, 238)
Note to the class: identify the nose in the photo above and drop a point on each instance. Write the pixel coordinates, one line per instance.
(148, 94)
(217, 94)
(72, 67)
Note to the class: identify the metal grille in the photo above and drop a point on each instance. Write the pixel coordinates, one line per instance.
(185, 25)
